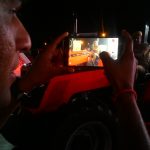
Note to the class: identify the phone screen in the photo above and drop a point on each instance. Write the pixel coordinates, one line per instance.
(85, 51)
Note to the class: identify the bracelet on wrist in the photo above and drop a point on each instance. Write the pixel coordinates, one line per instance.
(124, 91)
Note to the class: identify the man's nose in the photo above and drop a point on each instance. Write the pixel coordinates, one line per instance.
(23, 40)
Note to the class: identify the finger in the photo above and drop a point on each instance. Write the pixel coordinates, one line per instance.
(107, 62)
(128, 43)
(106, 59)
(59, 39)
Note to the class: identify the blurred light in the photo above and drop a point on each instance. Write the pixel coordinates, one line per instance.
(146, 26)
(103, 34)
(45, 43)
(77, 45)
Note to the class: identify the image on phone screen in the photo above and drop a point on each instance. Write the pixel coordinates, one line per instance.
(85, 51)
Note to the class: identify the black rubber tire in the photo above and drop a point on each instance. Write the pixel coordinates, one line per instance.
(90, 130)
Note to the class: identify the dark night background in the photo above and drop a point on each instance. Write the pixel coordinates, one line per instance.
(46, 19)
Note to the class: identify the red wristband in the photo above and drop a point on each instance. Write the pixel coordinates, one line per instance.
(124, 91)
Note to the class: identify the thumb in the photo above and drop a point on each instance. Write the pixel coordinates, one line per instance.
(106, 59)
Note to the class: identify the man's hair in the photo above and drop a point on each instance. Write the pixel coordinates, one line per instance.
(137, 33)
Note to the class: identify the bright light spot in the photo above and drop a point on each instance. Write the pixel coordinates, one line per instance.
(77, 45)
(103, 34)
(45, 43)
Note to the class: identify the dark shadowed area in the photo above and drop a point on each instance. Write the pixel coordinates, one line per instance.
(46, 20)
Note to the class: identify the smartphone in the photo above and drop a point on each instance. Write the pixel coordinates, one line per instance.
(84, 51)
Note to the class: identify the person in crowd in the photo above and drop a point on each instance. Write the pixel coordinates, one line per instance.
(142, 54)
(122, 76)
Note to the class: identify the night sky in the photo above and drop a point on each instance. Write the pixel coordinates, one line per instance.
(44, 20)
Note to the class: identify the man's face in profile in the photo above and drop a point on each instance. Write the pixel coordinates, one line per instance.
(9, 32)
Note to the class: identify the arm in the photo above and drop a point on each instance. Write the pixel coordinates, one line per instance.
(132, 126)
(121, 75)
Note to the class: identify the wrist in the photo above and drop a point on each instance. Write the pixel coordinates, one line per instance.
(123, 93)
(120, 87)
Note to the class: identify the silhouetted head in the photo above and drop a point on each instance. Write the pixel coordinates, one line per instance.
(137, 37)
